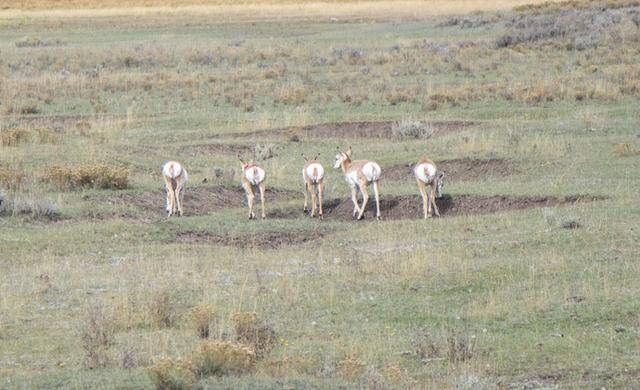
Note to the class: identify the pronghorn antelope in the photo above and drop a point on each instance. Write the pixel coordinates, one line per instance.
(253, 178)
(430, 183)
(175, 178)
(312, 174)
(359, 174)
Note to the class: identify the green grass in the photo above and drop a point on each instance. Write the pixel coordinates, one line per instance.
(544, 305)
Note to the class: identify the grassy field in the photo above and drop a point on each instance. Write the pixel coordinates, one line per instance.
(529, 279)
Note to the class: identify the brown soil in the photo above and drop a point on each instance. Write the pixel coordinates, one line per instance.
(198, 200)
(217, 148)
(410, 207)
(463, 169)
(348, 130)
(264, 240)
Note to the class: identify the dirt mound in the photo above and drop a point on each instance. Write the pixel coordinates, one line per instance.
(348, 130)
(263, 240)
(410, 207)
(198, 200)
(463, 169)
(217, 148)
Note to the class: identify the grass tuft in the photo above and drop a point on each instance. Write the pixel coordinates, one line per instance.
(97, 333)
(254, 332)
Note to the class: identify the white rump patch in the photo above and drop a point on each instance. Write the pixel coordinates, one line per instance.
(425, 172)
(315, 172)
(172, 169)
(255, 175)
(371, 171)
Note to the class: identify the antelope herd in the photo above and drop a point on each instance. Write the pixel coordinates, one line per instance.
(359, 174)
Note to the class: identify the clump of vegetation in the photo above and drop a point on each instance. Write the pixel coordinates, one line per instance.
(265, 151)
(626, 149)
(162, 309)
(565, 222)
(14, 136)
(36, 42)
(99, 176)
(411, 129)
(168, 374)
(97, 334)
(461, 347)
(205, 320)
(425, 346)
(254, 332)
(11, 179)
(351, 368)
(212, 358)
(398, 95)
(28, 107)
(217, 358)
(293, 94)
(18, 135)
(46, 135)
(32, 207)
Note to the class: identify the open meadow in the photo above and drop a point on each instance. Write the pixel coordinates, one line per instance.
(528, 280)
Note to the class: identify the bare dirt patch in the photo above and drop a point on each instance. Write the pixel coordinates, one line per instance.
(463, 169)
(263, 240)
(410, 207)
(197, 201)
(217, 148)
(348, 130)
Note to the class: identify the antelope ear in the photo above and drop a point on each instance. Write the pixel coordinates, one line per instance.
(240, 158)
(349, 151)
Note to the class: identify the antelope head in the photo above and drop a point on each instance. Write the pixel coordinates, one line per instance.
(341, 157)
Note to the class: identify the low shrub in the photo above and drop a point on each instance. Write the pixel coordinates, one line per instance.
(168, 374)
(265, 151)
(36, 42)
(293, 94)
(14, 137)
(11, 179)
(205, 320)
(97, 333)
(254, 332)
(626, 149)
(411, 129)
(32, 207)
(351, 368)
(99, 176)
(461, 347)
(23, 108)
(162, 309)
(217, 358)
(425, 346)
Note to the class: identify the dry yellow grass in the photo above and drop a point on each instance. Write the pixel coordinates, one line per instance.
(256, 9)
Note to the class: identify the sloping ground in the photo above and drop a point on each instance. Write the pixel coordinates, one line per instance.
(410, 207)
(348, 130)
(464, 169)
(197, 200)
